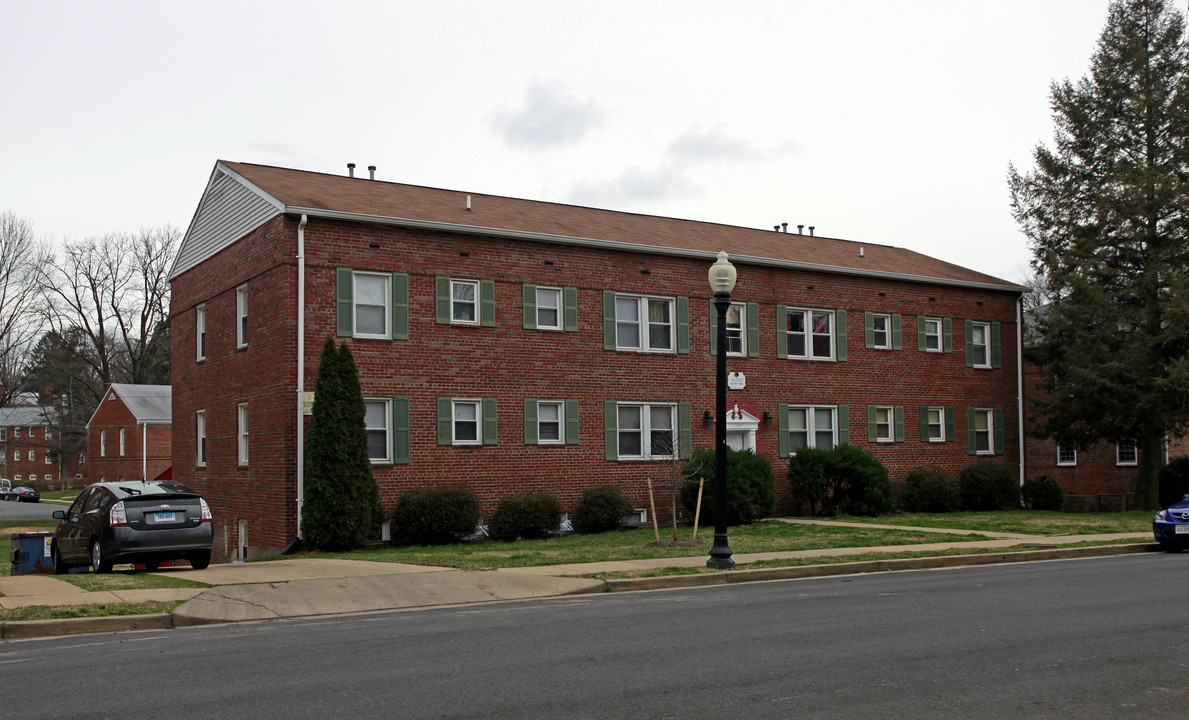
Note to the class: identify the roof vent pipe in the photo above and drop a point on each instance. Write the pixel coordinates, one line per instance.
(351, 169)
(784, 227)
(800, 228)
(810, 231)
(371, 170)
(860, 251)
(776, 228)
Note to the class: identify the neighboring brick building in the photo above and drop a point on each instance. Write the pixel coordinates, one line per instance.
(31, 442)
(129, 436)
(515, 345)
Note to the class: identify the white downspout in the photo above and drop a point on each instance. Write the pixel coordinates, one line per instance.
(1020, 379)
(301, 366)
(144, 451)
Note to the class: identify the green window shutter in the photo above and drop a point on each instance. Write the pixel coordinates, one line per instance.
(445, 421)
(921, 335)
(753, 329)
(400, 431)
(840, 334)
(782, 334)
(442, 300)
(949, 423)
(713, 330)
(571, 422)
(490, 422)
(947, 334)
(782, 427)
(972, 444)
(996, 357)
(685, 445)
(998, 418)
(871, 423)
(896, 344)
(345, 294)
(683, 325)
(530, 421)
(610, 430)
(898, 413)
(400, 306)
(869, 329)
(924, 423)
(487, 303)
(844, 424)
(530, 307)
(608, 320)
(969, 325)
(570, 307)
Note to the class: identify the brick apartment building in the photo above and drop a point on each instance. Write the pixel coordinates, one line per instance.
(129, 436)
(31, 449)
(516, 345)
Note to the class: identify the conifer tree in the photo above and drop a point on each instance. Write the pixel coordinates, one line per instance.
(1107, 215)
(342, 505)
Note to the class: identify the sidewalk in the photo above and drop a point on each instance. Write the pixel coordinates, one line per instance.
(309, 587)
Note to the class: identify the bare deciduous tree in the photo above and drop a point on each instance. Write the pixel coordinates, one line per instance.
(20, 256)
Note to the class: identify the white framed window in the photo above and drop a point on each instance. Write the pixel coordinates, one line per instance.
(551, 422)
(646, 431)
(935, 424)
(644, 323)
(372, 293)
(48, 459)
(241, 424)
(984, 431)
(810, 334)
(32, 455)
(16, 478)
(1067, 456)
(464, 302)
(467, 424)
(3, 457)
(812, 426)
(881, 331)
(122, 442)
(33, 477)
(980, 345)
(102, 443)
(549, 308)
(1126, 454)
(200, 331)
(884, 421)
(48, 434)
(200, 438)
(737, 329)
(16, 433)
(16, 455)
(932, 334)
(378, 420)
(241, 316)
(3, 434)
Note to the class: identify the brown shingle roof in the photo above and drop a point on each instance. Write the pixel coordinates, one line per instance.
(298, 189)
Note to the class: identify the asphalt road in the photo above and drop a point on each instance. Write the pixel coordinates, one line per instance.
(12, 510)
(1099, 638)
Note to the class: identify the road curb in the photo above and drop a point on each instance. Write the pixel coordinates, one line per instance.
(30, 629)
(729, 577)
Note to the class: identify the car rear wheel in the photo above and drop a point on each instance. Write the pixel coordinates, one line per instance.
(152, 565)
(200, 560)
(99, 563)
(60, 568)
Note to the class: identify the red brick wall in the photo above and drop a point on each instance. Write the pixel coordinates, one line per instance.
(57, 473)
(510, 364)
(144, 454)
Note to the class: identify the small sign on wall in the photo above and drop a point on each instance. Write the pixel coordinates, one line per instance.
(736, 381)
(307, 403)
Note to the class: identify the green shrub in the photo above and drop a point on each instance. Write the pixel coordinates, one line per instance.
(807, 478)
(435, 516)
(526, 516)
(930, 491)
(1043, 493)
(989, 486)
(751, 485)
(846, 479)
(601, 509)
(1174, 480)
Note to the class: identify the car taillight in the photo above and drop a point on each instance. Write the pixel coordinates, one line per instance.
(206, 511)
(117, 515)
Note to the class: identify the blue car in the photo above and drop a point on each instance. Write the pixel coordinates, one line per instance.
(1171, 526)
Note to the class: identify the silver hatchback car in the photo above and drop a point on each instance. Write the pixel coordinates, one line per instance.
(133, 522)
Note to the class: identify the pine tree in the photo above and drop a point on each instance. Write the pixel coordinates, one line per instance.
(342, 504)
(1106, 215)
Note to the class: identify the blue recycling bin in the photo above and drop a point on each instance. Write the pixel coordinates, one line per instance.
(31, 553)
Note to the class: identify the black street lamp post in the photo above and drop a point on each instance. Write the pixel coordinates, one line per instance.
(722, 282)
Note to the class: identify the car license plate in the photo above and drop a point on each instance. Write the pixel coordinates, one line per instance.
(1181, 530)
(165, 517)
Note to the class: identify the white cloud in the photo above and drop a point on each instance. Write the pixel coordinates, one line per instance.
(551, 116)
(698, 147)
(635, 186)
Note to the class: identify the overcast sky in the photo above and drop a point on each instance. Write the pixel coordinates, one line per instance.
(889, 122)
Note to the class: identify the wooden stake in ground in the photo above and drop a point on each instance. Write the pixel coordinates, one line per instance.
(656, 529)
(698, 506)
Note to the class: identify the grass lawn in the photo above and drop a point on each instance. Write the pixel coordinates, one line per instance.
(58, 612)
(1030, 522)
